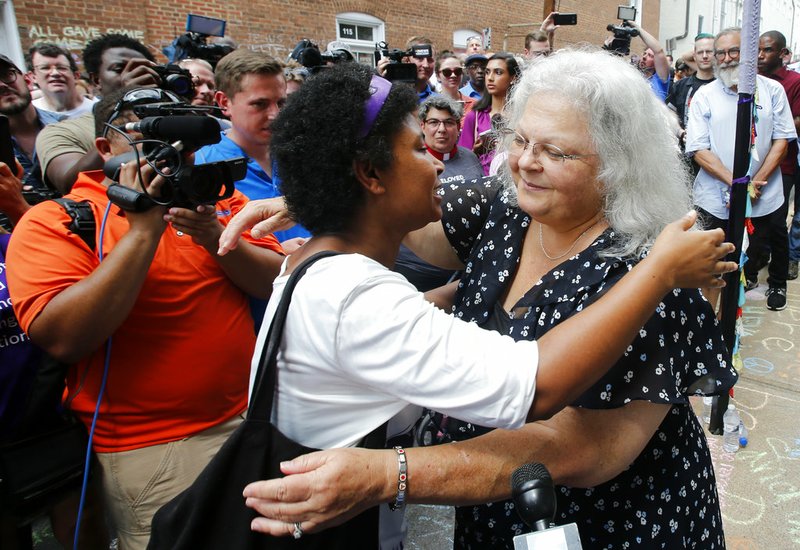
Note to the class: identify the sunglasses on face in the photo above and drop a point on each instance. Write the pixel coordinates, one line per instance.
(447, 73)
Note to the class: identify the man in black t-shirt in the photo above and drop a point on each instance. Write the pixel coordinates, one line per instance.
(682, 92)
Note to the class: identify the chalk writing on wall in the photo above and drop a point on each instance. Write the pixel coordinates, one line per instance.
(75, 37)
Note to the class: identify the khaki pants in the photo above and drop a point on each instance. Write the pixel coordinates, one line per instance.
(137, 483)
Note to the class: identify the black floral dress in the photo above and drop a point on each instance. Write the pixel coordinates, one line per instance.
(667, 498)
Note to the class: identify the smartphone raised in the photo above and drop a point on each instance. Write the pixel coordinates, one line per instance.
(6, 146)
(565, 19)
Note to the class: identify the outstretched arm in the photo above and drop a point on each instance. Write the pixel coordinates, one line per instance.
(660, 61)
(679, 259)
(581, 448)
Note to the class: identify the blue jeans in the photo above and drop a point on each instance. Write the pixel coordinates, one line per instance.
(794, 229)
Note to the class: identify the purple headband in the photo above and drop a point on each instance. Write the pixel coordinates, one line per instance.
(378, 92)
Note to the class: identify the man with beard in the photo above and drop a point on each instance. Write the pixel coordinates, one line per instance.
(711, 134)
(25, 122)
(771, 52)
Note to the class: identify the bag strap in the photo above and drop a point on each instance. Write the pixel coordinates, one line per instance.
(83, 222)
(266, 376)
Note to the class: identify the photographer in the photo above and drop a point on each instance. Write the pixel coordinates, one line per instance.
(653, 63)
(172, 384)
(420, 52)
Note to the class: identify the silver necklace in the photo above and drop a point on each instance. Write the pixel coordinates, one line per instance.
(549, 257)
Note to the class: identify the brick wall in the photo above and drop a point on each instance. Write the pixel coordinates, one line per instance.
(276, 26)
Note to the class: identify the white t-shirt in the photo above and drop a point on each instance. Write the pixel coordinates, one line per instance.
(361, 344)
(85, 106)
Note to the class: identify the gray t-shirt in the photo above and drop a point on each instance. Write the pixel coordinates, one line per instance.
(464, 167)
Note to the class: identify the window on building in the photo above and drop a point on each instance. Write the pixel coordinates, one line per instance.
(360, 31)
(460, 39)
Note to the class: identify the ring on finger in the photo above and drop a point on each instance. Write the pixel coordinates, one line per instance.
(298, 531)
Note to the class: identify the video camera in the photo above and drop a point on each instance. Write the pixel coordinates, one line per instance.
(309, 56)
(621, 44)
(194, 44)
(170, 130)
(397, 71)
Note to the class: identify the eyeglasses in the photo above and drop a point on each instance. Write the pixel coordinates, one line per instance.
(733, 53)
(140, 96)
(447, 73)
(8, 75)
(519, 145)
(63, 69)
(433, 123)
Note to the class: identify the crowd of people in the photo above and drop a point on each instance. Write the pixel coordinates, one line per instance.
(437, 299)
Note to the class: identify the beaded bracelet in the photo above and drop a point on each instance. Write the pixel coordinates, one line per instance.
(402, 477)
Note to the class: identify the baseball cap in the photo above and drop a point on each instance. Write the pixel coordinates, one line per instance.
(5, 60)
(476, 57)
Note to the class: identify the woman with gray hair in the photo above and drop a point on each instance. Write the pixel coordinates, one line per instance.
(593, 175)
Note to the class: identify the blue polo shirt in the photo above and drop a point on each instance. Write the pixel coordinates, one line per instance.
(469, 91)
(257, 184)
(426, 93)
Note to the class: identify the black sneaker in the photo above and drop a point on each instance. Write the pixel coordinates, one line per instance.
(750, 284)
(776, 299)
(792, 271)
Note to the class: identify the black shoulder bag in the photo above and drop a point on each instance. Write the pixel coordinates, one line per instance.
(211, 513)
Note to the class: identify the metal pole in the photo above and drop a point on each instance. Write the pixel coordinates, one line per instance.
(738, 202)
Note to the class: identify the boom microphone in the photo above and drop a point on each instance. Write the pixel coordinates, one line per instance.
(535, 499)
(197, 130)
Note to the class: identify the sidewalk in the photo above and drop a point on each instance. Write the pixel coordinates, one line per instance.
(759, 486)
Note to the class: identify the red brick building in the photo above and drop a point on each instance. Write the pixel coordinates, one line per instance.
(275, 26)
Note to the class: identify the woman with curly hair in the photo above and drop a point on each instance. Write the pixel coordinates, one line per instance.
(360, 344)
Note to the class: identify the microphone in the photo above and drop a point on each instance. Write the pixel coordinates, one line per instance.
(197, 130)
(535, 499)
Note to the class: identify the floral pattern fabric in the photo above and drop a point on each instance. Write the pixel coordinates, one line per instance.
(667, 497)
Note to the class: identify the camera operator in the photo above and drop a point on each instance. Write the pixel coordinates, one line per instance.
(203, 80)
(113, 61)
(177, 368)
(653, 63)
(425, 64)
